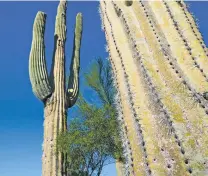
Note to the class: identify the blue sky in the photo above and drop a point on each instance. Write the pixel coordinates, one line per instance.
(21, 114)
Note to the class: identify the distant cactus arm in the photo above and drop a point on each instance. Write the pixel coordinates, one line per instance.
(37, 63)
(73, 83)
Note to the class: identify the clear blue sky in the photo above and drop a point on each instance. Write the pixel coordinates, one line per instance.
(21, 114)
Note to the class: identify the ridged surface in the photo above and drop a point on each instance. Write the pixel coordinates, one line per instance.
(73, 83)
(37, 64)
(54, 96)
(55, 110)
(154, 49)
(60, 26)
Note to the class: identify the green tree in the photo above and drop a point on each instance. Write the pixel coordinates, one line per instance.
(92, 140)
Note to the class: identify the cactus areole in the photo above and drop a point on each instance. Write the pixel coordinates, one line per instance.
(160, 66)
(51, 89)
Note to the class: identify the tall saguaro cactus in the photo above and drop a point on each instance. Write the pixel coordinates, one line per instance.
(51, 90)
(160, 64)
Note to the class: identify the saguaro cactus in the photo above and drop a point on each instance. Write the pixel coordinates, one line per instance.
(160, 64)
(51, 90)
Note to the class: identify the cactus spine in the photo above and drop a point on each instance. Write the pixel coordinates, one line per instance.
(160, 65)
(51, 90)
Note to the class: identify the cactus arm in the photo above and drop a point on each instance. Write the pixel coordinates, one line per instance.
(73, 82)
(37, 63)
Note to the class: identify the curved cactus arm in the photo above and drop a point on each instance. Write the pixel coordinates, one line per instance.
(73, 83)
(37, 63)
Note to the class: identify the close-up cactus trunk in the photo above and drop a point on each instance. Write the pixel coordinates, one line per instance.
(51, 89)
(160, 66)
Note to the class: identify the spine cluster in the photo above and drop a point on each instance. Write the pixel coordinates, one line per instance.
(160, 63)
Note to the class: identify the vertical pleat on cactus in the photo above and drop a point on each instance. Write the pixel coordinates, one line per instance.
(52, 90)
(160, 66)
(37, 69)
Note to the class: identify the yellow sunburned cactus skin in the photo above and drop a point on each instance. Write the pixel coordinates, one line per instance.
(162, 86)
(51, 90)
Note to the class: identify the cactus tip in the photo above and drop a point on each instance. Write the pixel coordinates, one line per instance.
(41, 13)
(79, 14)
(79, 18)
(41, 16)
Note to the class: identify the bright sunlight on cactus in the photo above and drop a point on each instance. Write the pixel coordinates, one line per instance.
(160, 65)
(52, 89)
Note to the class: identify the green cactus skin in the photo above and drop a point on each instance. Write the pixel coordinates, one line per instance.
(73, 84)
(38, 69)
(51, 90)
(160, 66)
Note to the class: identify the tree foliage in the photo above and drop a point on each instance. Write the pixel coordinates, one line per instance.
(92, 139)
